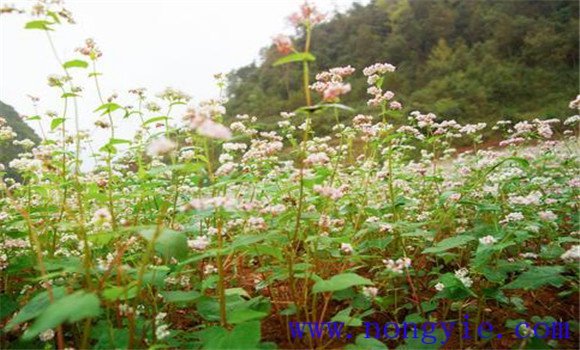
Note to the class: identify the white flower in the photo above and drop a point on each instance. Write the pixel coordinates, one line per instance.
(198, 243)
(209, 269)
(201, 121)
(319, 158)
(370, 292)
(572, 254)
(397, 266)
(162, 331)
(548, 215)
(511, 217)
(329, 192)
(160, 147)
(575, 104)
(346, 248)
(214, 130)
(101, 216)
(226, 169)
(209, 203)
(454, 197)
(384, 228)
(46, 335)
(461, 274)
(572, 120)
(258, 224)
(487, 240)
(529, 255)
(439, 286)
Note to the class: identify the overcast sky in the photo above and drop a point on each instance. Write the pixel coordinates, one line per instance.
(152, 44)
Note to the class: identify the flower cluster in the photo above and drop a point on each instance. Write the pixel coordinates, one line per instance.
(307, 16)
(90, 49)
(397, 266)
(330, 85)
(283, 44)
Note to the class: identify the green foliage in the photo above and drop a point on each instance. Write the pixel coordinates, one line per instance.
(449, 243)
(340, 282)
(168, 243)
(464, 60)
(71, 308)
(295, 57)
(75, 64)
(8, 151)
(177, 238)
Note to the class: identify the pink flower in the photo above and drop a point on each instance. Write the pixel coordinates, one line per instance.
(334, 90)
(319, 158)
(308, 15)
(575, 104)
(548, 215)
(346, 248)
(330, 83)
(214, 130)
(378, 69)
(283, 44)
(330, 192)
(205, 126)
(160, 147)
(395, 105)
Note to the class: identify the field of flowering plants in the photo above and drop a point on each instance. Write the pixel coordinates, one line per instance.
(206, 232)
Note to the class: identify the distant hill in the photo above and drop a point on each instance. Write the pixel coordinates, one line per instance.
(8, 151)
(467, 60)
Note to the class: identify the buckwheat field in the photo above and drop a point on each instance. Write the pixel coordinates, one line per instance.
(215, 230)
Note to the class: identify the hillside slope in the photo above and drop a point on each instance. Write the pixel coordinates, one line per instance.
(8, 150)
(467, 60)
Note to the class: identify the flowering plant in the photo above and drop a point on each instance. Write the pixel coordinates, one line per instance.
(205, 231)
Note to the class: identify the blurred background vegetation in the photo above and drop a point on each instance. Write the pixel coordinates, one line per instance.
(9, 151)
(471, 61)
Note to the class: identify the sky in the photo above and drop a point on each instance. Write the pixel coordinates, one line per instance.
(145, 43)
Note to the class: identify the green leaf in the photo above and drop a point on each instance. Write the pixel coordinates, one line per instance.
(9, 305)
(169, 243)
(537, 277)
(108, 108)
(209, 308)
(71, 308)
(68, 94)
(237, 291)
(422, 341)
(454, 288)
(295, 57)
(155, 119)
(245, 314)
(245, 241)
(75, 64)
(180, 296)
(324, 106)
(120, 293)
(54, 16)
(108, 148)
(244, 336)
(345, 317)
(35, 307)
(119, 141)
(364, 343)
(449, 243)
(42, 25)
(340, 282)
(56, 122)
(521, 162)
(156, 276)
